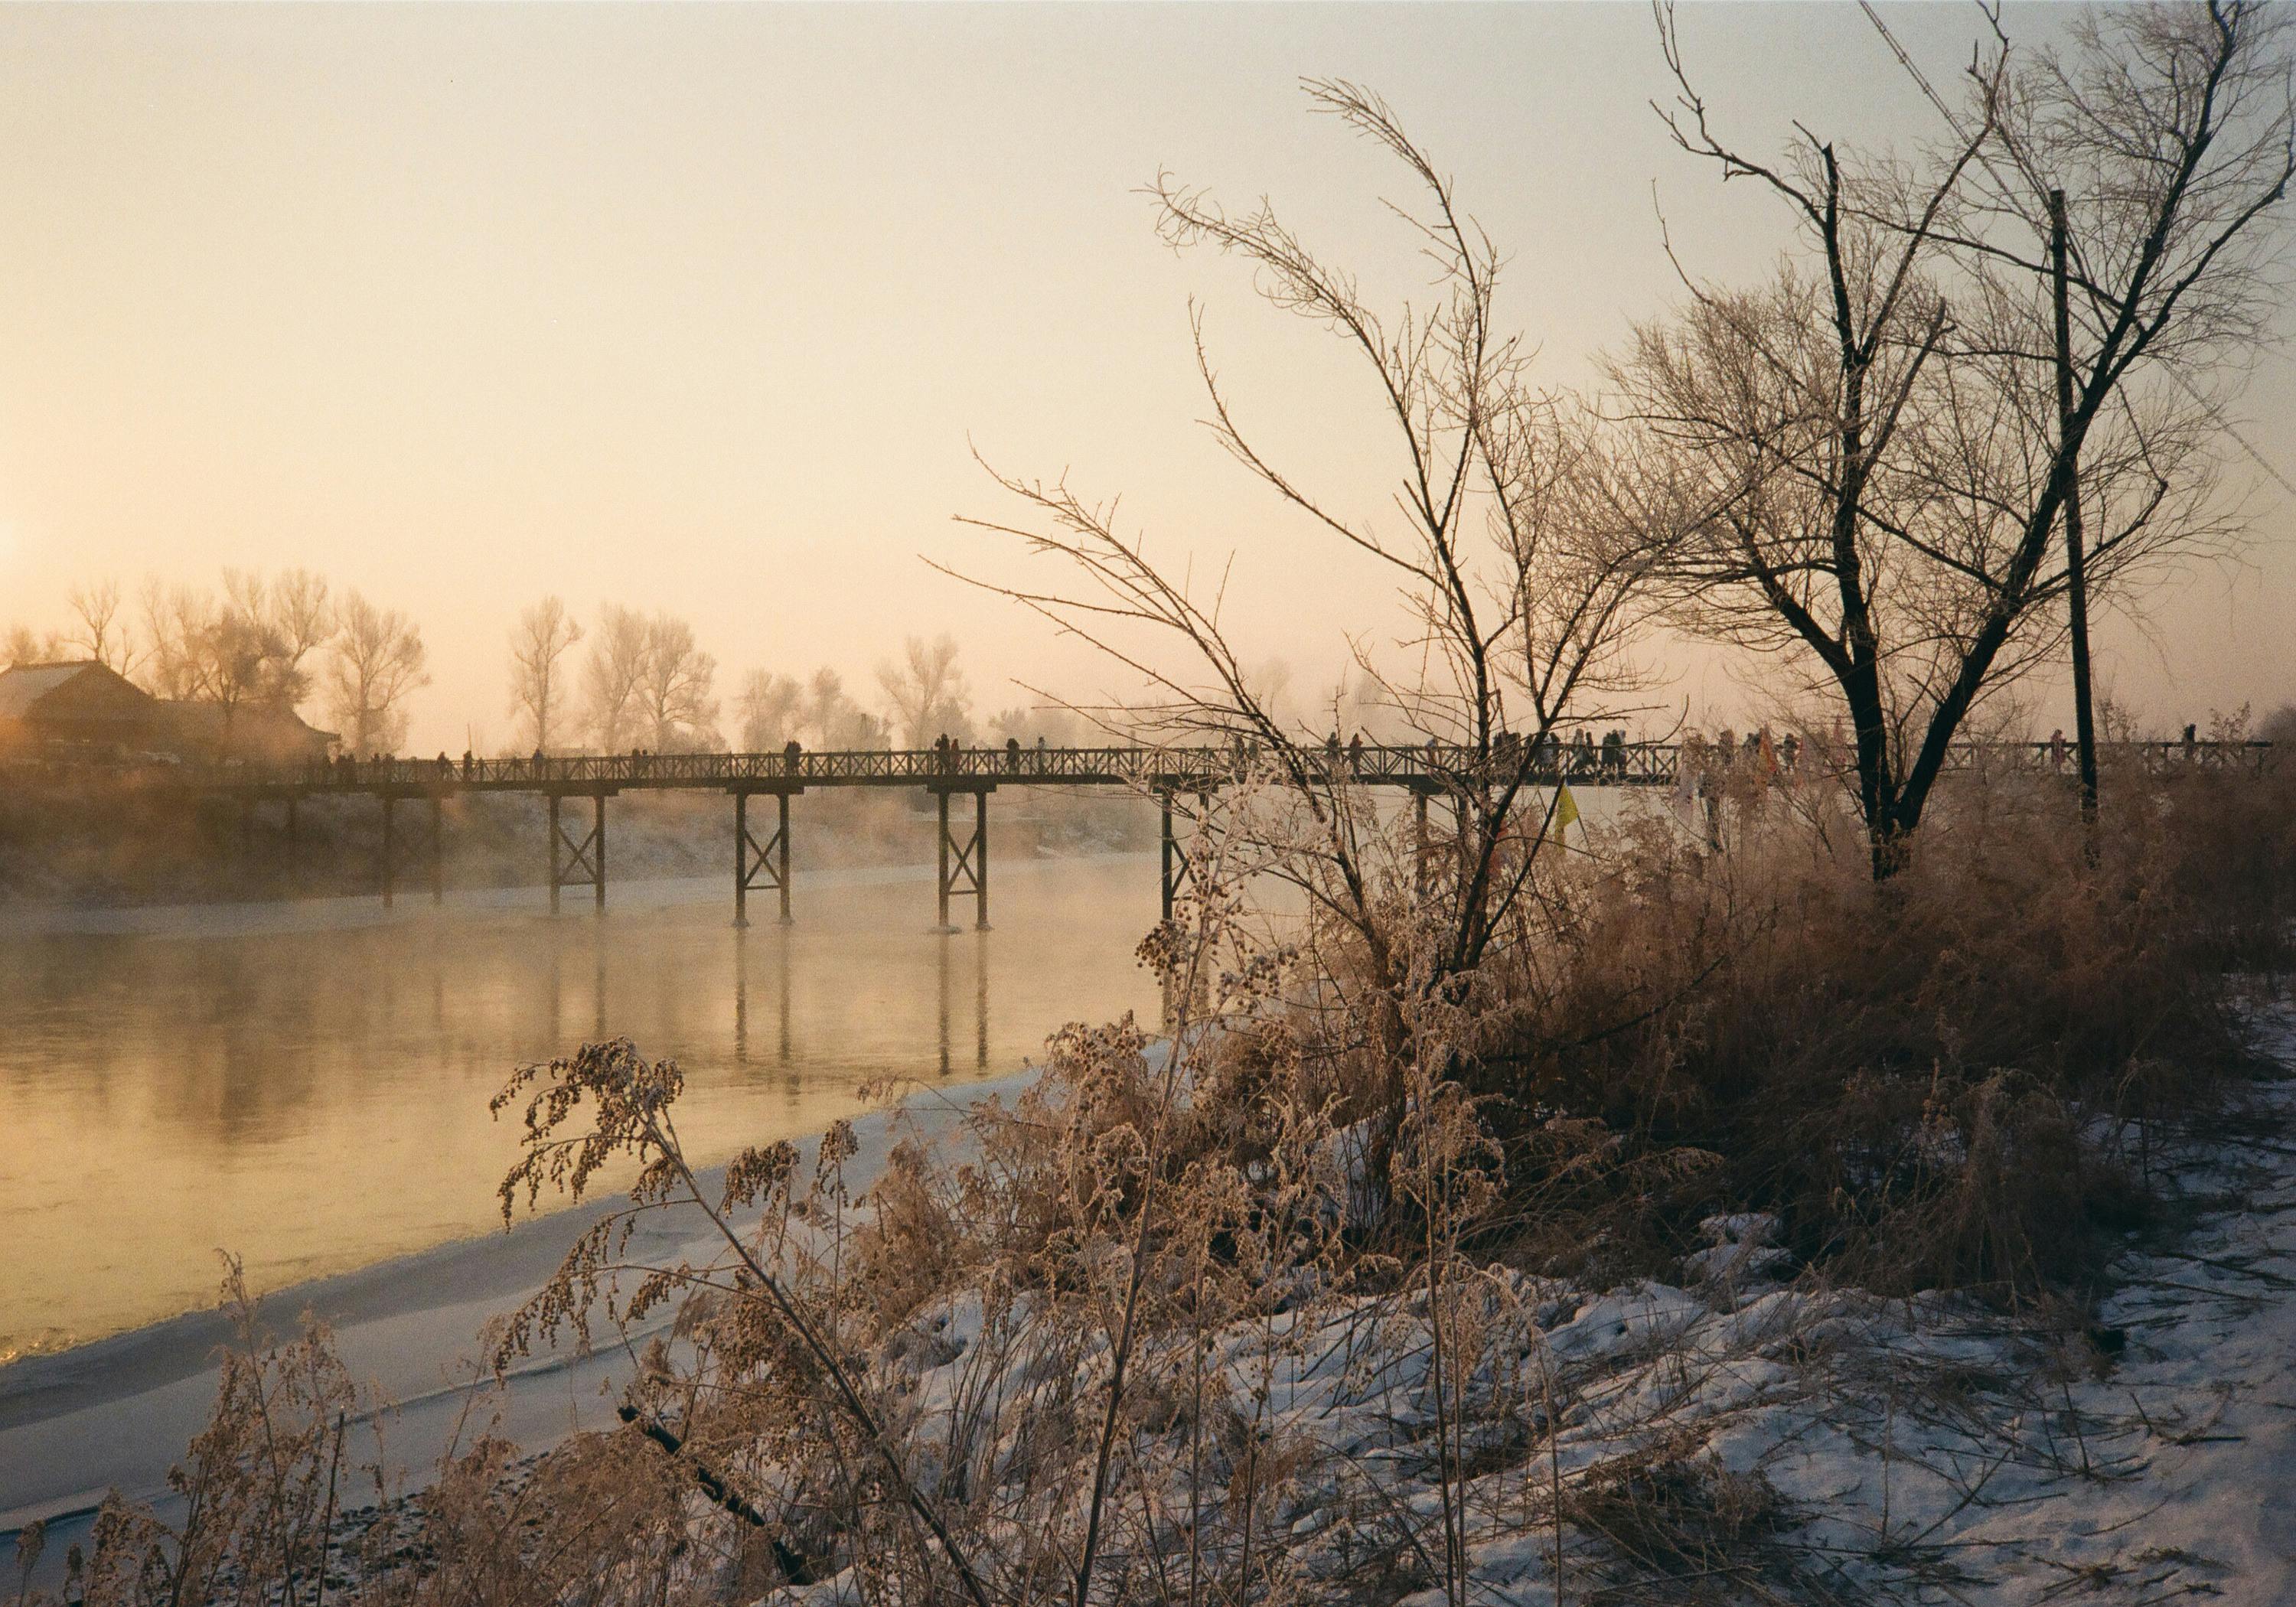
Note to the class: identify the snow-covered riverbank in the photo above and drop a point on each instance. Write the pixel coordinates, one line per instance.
(1791, 1442)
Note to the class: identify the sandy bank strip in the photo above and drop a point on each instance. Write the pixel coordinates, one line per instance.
(116, 1412)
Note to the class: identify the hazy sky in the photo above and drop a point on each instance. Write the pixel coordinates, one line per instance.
(705, 308)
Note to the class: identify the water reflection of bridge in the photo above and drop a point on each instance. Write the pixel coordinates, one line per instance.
(761, 865)
(776, 961)
(762, 966)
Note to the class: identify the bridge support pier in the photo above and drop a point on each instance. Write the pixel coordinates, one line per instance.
(577, 861)
(760, 868)
(964, 861)
(393, 848)
(1179, 863)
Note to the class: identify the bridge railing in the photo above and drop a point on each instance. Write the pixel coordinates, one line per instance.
(1430, 766)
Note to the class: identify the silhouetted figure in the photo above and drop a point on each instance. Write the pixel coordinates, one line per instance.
(1012, 753)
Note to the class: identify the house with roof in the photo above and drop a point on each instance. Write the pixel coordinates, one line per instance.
(76, 708)
(264, 733)
(82, 710)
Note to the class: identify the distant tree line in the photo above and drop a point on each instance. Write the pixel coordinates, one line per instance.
(291, 642)
(277, 644)
(644, 681)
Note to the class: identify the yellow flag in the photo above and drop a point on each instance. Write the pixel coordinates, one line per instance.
(1566, 810)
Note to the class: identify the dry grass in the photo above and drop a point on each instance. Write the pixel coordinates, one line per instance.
(1952, 1080)
(1081, 1361)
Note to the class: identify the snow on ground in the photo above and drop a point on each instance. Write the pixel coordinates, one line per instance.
(1922, 1450)
(1807, 1442)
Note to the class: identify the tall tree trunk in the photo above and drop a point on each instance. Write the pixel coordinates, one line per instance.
(2076, 564)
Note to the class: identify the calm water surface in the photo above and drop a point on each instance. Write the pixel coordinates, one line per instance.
(316, 1099)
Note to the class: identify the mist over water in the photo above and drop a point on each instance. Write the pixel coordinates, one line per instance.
(306, 1085)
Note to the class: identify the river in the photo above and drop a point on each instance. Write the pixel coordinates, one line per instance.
(306, 1085)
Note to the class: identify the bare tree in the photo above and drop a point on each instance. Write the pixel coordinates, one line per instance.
(170, 618)
(102, 634)
(610, 674)
(770, 707)
(1516, 547)
(377, 660)
(835, 720)
(1518, 551)
(301, 618)
(24, 646)
(1868, 457)
(675, 706)
(926, 691)
(249, 646)
(1051, 723)
(537, 690)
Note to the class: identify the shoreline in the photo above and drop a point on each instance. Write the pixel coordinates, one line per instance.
(116, 1412)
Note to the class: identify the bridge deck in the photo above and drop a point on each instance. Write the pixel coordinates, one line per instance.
(1426, 768)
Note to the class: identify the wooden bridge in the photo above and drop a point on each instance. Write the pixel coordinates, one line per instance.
(578, 847)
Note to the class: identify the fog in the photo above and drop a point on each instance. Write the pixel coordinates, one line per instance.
(706, 311)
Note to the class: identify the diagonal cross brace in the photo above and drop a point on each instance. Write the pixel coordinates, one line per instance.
(1179, 860)
(427, 846)
(964, 859)
(760, 866)
(577, 861)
